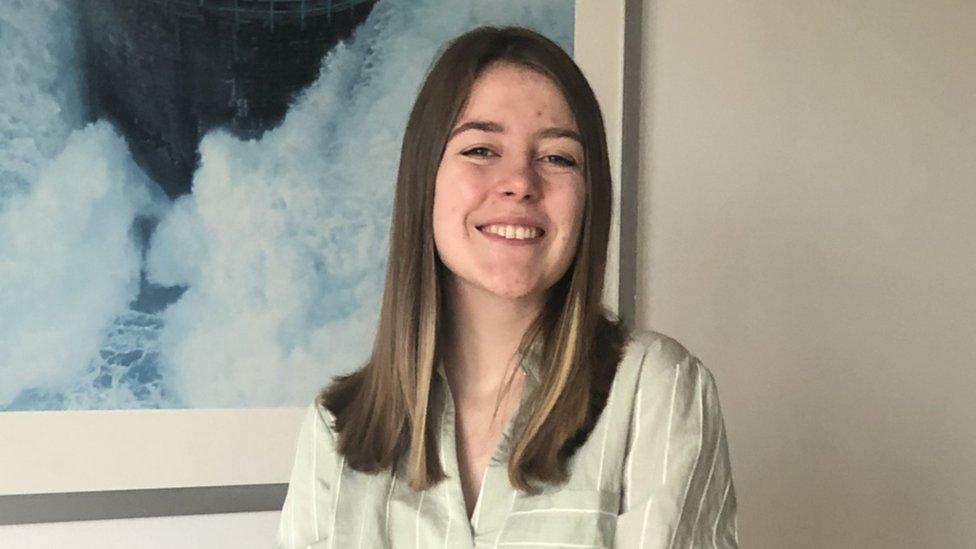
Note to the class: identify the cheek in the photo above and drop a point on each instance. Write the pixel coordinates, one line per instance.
(448, 214)
(456, 190)
(441, 213)
(570, 209)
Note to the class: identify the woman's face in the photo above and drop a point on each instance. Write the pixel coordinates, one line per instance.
(509, 192)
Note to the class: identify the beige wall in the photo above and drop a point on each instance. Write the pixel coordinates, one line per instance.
(808, 214)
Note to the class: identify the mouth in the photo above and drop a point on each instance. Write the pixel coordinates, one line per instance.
(524, 233)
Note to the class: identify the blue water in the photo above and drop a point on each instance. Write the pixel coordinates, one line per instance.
(253, 290)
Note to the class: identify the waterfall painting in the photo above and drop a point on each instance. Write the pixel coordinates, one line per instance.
(195, 198)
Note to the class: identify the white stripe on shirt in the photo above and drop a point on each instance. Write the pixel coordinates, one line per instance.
(667, 442)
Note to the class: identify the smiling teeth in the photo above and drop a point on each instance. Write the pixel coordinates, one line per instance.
(513, 232)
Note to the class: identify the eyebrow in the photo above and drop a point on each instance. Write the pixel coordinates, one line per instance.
(494, 127)
(491, 127)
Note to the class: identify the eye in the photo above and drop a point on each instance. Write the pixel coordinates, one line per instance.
(479, 152)
(560, 160)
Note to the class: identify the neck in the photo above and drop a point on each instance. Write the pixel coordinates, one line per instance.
(483, 335)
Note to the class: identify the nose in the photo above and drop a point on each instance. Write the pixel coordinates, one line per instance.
(522, 182)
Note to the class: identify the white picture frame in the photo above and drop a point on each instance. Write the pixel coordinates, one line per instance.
(85, 465)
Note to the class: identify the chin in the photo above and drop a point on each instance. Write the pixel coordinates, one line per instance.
(513, 292)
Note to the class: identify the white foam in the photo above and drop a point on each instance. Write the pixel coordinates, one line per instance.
(67, 199)
(39, 89)
(68, 264)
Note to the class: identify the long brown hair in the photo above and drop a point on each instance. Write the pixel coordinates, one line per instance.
(382, 410)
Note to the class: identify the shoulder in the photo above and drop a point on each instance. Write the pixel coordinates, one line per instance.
(657, 351)
(665, 363)
(318, 425)
(316, 449)
(314, 471)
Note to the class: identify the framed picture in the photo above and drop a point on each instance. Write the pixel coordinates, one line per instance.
(199, 450)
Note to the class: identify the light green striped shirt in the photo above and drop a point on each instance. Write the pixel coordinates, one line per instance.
(654, 472)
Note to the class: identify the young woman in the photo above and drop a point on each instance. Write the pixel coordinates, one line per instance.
(501, 406)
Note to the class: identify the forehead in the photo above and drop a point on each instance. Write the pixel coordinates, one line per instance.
(510, 91)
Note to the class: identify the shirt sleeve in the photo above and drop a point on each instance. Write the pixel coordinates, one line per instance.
(678, 489)
(307, 510)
